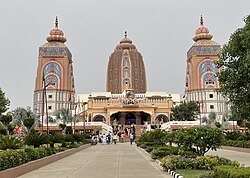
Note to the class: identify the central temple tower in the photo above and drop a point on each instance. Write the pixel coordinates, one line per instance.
(126, 69)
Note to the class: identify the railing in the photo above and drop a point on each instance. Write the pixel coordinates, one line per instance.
(135, 101)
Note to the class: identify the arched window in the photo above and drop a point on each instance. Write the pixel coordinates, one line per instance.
(51, 81)
(52, 67)
(208, 66)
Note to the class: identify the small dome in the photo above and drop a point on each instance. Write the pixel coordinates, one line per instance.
(56, 34)
(201, 29)
(202, 33)
(126, 43)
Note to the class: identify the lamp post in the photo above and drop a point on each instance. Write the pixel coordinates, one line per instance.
(84, 117)
(75, 120)
(44, 96)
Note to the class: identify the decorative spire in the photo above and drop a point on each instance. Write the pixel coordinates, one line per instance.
(125, 34)
(202, 33)
(56, 23)
(56, 34)
(201, 21)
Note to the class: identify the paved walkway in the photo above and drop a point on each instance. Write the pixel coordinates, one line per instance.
(102, 161)
(241, 157)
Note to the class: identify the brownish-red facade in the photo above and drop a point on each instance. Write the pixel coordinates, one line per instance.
(126, 69)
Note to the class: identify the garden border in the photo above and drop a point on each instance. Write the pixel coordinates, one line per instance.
(32, 165)
(158, 162)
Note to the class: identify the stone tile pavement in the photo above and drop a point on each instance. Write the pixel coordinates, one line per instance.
(102, 161)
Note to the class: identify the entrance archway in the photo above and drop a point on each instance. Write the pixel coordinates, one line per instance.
(99, 118)
(130, 119)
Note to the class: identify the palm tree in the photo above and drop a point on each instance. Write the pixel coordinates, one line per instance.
(64, 115)
(19, 114)
(24, 117)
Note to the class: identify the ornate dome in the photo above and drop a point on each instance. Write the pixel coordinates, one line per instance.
(125, 43)
(56, 34)
(202, 33)
(126, 69)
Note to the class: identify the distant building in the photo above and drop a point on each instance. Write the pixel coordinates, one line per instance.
(201, 80)
(55, 73)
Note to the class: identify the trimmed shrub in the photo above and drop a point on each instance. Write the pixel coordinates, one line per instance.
(10, 143)
(77, 138)
(36, 139)
(207, 175)
(12, 158)
(231, 172)
(161, 152)
(55, 139)
(158, 137)
(32, 153)
(149, 149)
(200, 162)
(237, 143)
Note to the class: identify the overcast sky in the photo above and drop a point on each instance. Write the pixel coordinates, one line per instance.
(162, 31)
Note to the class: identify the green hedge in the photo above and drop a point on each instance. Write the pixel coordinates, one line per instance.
(231, 172)
(237, 143)
(163, 151)
(12, 158)
(200, 162)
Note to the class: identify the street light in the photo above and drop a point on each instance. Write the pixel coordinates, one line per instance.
(84, 117)
(44, 95)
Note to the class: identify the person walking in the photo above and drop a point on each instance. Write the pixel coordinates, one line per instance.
(104, 139)
(114, 138)
(131, 138)
(122, 137)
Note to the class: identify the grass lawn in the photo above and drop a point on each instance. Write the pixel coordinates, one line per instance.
(188, 173)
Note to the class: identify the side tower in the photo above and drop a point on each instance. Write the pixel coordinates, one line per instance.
(54, 75)
(201, 80)
(126, 69)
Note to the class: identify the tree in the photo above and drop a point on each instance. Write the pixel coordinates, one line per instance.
(200, 139)
(4, 102)
(235, 74)
(185, 111)
(29, 123)
(24, 117)
(6, 119)
(206, 138)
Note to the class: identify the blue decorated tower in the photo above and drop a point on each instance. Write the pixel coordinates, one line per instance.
(55, 74)
(201, 80)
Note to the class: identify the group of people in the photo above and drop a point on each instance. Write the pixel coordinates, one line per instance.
(117, 136)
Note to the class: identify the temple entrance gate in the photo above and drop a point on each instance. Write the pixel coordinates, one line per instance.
(128, 118)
